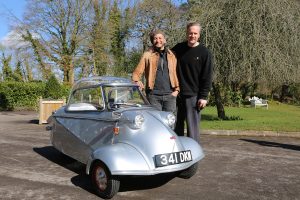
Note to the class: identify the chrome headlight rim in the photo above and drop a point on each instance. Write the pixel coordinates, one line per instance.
(139, 121)
(171, 119)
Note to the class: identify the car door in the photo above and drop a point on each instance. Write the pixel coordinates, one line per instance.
(85, 125)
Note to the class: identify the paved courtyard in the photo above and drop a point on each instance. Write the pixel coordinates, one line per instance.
(235, 167)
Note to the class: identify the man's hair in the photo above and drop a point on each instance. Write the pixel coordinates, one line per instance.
(193, 24)
(154, 33)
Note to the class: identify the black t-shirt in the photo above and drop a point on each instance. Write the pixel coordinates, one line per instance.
(194, 68)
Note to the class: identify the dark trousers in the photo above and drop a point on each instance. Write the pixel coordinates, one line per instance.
(163, 102)
(187, 111)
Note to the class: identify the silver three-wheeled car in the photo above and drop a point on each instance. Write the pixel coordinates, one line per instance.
(109, 125)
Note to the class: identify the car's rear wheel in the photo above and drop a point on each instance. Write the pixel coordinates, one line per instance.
(104, 183)
(189, 172)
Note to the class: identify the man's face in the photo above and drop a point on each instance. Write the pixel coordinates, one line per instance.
(193, 35)
(159, 41)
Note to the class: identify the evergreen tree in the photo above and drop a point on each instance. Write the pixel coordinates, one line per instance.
(100, 41)
(53, 89)
(121, 20)
(18, 75)
(7, 71)
(117, 42)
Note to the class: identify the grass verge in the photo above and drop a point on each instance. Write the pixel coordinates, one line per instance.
(279, 117)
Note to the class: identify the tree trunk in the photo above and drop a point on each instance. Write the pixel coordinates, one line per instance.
(218, 99)
(284, 92)
(66, 76)
(29, 75)
(71, 74)
(68, 69)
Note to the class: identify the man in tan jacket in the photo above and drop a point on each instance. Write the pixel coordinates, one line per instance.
(158, 64)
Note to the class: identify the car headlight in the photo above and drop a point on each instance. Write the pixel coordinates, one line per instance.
(171, 120)
(138, 121)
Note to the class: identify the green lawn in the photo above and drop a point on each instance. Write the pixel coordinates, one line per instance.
(279, 117)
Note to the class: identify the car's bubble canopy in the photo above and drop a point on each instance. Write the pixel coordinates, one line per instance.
(100, 80)
(105, 92)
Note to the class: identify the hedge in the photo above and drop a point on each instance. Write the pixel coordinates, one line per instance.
(23, 95)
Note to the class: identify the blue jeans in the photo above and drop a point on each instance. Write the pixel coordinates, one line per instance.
(187, 111)
(163, 102)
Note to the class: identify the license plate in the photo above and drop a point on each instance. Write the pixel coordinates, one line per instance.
(173, 158)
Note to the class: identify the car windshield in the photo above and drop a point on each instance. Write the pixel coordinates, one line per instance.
(124, 96)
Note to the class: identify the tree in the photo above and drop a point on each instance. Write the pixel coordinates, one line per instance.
(55, 30)
(115, 25)
(252, 41)
(38, 52)
(18, 74)
(120, 22)
(28, 64)
(112, 21)
(99, 40)
(132, 59)
(6, 68)
(158, 14)
(53, 89)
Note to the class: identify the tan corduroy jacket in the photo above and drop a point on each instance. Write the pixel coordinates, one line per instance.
(148, 65)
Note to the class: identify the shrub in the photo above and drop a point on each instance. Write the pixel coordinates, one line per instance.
(53, 89)
(5, 96)
(25, 95)
(20, 95)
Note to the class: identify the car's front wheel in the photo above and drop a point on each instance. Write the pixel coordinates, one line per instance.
(189, 172)
(104, 183)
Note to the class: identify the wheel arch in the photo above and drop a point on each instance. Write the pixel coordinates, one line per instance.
(95, 161)
(120, 158)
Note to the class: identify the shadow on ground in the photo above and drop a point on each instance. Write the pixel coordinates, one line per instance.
(82, 180)
(273, 144)
(33, 121)
(50, 153)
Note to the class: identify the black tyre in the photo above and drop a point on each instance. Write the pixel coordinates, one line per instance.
(189, 172)
(104, 183)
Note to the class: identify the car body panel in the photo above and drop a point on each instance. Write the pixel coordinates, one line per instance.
(87, 134)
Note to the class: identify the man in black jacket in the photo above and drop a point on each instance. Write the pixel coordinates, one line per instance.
(194, 66)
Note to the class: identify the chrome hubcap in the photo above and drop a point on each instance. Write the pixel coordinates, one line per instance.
(101, 179)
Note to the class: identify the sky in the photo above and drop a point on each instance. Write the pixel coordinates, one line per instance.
(8, 8)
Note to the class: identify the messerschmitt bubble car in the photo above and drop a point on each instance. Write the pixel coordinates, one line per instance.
(109, 126)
